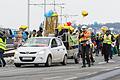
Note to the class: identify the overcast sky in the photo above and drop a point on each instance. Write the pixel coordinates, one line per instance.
(13, 13)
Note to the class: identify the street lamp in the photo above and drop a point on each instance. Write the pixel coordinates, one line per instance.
(61, 13)
(28, 17)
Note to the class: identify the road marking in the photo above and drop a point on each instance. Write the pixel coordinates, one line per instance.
(110, 61)
(71, 78)
(101, 62)
(104, 75)
(51, 78)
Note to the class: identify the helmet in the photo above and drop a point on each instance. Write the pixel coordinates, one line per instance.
(84, 27)
(104, 28)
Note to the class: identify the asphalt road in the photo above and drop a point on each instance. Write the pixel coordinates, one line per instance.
(99, 71)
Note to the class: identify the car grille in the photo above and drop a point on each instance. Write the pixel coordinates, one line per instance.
(27, 60)
(28, 52)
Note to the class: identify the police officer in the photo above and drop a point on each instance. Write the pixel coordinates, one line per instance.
(2, 49)
(108, 38)
(118, 43)
(85, 45)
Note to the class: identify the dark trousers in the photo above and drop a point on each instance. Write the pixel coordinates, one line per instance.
(106, 51)
(85, 55)
(2, 61)
(91, 55)
(97, 50)
(118, 50)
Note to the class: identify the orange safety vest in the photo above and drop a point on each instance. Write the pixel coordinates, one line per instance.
(86, 36)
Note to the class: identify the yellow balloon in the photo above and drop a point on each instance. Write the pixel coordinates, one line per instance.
(60, 27)
(23, 27)
(84, 13)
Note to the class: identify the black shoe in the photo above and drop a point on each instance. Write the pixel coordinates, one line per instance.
(107, 61)
(89, 65)
(110, 57)
(96, 55)
(92, 63)
(83, 66)
(4, 65)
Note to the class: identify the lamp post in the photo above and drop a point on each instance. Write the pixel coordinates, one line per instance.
(61, 13)
(28, 17)
(54, 5)
(29, 4)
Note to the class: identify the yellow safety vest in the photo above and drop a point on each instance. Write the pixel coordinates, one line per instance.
(107, 39)
(2, 44)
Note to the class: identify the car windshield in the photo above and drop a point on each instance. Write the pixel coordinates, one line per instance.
(37, 42)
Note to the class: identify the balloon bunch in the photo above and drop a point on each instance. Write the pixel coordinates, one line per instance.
(50, 14)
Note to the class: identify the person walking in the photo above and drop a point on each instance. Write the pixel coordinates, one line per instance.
(2, 49)
(108, 38)
(39, 32)
(34, 34)
(85, 45)
(97, 47)
(118, 44)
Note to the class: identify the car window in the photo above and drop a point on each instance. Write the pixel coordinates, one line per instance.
(53, 43)
(37, 42)
(59, 42)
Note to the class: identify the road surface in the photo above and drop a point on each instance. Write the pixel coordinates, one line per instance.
(99, 71)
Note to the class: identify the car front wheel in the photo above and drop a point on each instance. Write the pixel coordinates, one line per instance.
(48, 62)
(64, 60)
(17, 64)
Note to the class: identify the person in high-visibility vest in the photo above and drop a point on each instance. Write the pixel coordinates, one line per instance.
(84, 39)
(108, 38)
(2, 49)
(118, 44)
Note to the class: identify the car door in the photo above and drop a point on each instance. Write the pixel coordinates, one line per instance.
(54, 50)
(61, 50)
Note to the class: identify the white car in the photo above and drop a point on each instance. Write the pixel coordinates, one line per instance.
(39, 50)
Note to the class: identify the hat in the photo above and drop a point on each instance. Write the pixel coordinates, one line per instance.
(84, 27)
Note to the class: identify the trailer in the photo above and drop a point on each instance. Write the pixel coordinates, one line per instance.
(71, 43)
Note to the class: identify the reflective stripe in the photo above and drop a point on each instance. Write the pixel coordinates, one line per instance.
(83, 39)
(107, 39)
(2, 44)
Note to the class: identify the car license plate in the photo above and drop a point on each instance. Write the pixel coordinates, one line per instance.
(27, 58)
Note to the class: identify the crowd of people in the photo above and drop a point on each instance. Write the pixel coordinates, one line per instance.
(19, 38)
(104, 42)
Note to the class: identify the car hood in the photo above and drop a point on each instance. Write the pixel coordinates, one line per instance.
(31, 49)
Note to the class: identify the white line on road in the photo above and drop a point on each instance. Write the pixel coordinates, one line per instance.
(105, 75)
(110, 61)
(51, 78)
(71, 78)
